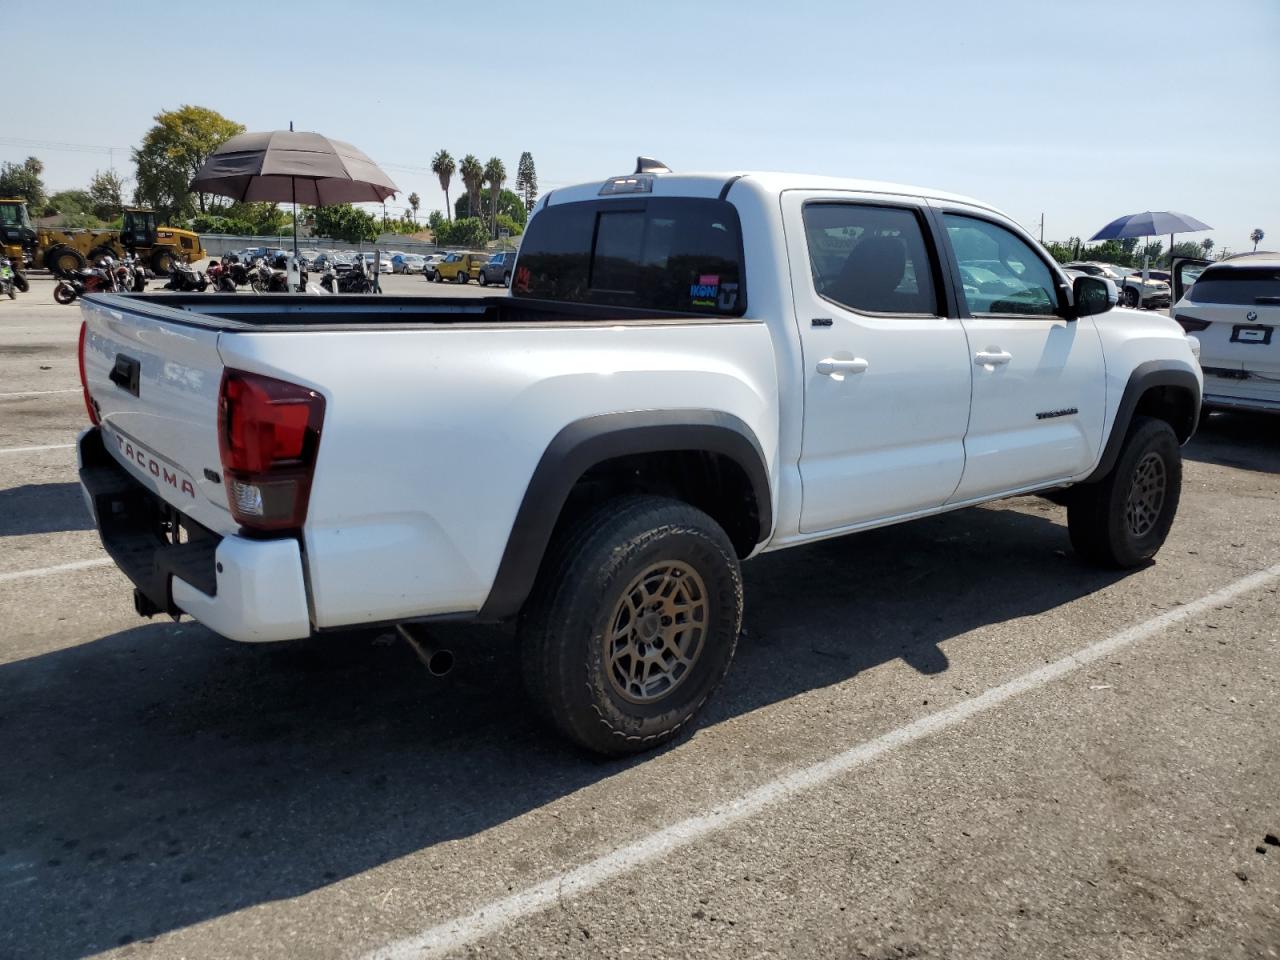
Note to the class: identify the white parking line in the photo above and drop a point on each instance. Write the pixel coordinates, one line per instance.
(37, 393)
(48, 446)
(494, 916)
(48, 571)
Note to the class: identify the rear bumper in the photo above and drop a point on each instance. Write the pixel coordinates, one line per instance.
(248, 590)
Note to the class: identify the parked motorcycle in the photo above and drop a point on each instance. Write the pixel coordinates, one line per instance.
(184, 278)
(131, 275)
(97, 279)
(219, 274)
(8, 280)
(355, 280)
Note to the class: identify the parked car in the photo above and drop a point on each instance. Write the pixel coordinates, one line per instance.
(1232, 307)
(407, 262)
(1153, 295)
(429, 265)
(384, 262)
(498, 269)
(593, 456)
(460, 267)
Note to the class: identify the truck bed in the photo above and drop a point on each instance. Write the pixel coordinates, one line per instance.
(280, 312)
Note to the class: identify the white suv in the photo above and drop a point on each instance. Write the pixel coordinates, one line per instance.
(1233, 308)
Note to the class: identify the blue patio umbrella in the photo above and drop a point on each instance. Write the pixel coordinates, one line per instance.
(1150, 224)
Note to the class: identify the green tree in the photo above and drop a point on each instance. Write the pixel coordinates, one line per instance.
(472, 178)
(345, 222)
(464, 232)
(1207, 246)
(509, 204)
(170, 155)
(443, 167)
(23, 180)
(1257, 236)
(436, 220)
(106, 190)
(527, 181)
(509, 225)
(1187, 248)
(68, 202)
(495, 174)
(414, 202)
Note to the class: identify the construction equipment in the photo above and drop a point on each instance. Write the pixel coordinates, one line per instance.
(65, 251)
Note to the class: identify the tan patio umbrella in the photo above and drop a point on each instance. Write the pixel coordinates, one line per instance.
(282, 166)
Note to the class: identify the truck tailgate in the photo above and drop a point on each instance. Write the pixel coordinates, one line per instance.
(155, 382)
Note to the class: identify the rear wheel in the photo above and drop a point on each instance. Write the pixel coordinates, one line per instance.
(63, 260)
(462, 276)
(484, 280)
(1123, 519)
(64, 293)
(506, 279)
(20, 281)
(632, 623)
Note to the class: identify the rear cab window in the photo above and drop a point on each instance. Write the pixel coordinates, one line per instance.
(673, 254)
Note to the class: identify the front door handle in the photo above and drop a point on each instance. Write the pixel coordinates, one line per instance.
(988, 358)
(830, 367)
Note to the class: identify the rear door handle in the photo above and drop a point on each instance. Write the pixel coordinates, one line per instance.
(989, 358)
(831, 367)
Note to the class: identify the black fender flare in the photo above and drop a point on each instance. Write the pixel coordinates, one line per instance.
(592, 440)
(1153, 373)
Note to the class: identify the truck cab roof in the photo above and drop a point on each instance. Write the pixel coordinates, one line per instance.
(712, 184)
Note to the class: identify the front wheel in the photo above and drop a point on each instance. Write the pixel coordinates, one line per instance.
(13, 293)
(64, 294)
(462, 276)
(484, 280)
(20, 281)
(1124, 518)
(1131, 298)
(632, 623)
(506, 279)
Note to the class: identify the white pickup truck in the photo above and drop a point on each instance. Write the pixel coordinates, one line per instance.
(689, 370)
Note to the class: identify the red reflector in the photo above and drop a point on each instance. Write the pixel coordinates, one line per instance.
(268, 432)
(84, 382)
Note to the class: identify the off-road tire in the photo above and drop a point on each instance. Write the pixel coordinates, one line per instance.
(1098, 516)
(63, 261)
(162, 262)
(103, 250)
(579, 591)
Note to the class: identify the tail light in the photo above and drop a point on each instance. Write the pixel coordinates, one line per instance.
(268, 434)
(1191, 324)
(84, 382)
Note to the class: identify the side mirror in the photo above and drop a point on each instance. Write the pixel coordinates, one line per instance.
(1093, 295)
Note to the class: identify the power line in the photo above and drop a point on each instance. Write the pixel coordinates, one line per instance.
(56, 145)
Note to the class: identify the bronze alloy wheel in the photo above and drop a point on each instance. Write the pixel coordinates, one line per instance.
(1146, 495)
(657, 632)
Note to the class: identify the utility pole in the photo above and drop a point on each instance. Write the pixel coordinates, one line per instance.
(1042, 227)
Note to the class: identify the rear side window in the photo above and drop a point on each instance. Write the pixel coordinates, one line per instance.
(678, 254)
(872, 259)
(1241, 286)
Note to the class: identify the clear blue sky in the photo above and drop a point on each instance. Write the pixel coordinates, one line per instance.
(1083, 110)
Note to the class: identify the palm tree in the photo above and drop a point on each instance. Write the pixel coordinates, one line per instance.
(472, 177)
(496, 174)
(414, 200)
(1207, 246)
(442, 166)
(1256, 237)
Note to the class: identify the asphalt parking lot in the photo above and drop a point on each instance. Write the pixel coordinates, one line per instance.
(948, 739)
